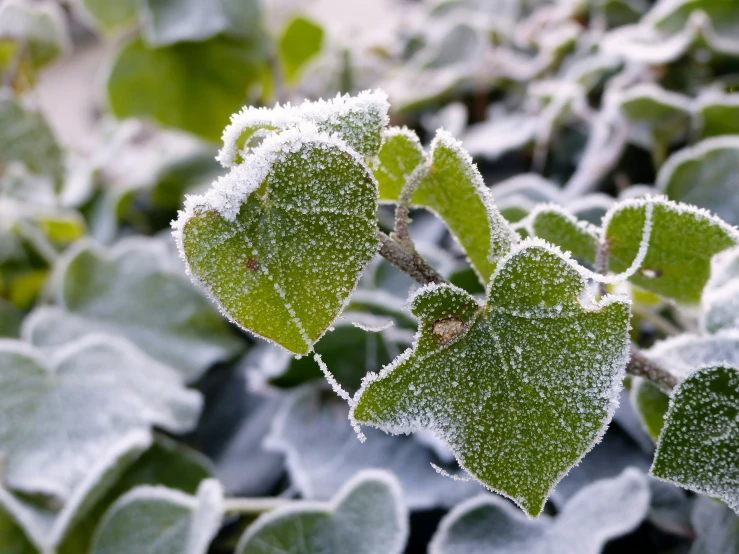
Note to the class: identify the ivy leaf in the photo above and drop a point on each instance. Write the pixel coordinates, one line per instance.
(322, 453)
(705, 175)
(651, 404)
(720, 302)
(558, 226)
(716, 528)
(281, 241)
(137, 291)
(301, 40)
(26, 137)
(520, 388)
(175, 522)
(207, 81)
(357, 120)
(599, 512)
(718, 114)
(681, 242)
(698, 444)
(170, 21)
(399, 155)
(47, 531)
(367, 516)
(47, 436)
(685, 352)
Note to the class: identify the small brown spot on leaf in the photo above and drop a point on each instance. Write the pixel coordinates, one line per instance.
(446, 330)
(252, 264)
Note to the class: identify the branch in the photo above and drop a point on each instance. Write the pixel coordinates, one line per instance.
(402, 208)
(409, 262)
(641, 366)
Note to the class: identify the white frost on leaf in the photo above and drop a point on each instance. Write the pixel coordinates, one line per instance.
(720, 301)
(683, 353)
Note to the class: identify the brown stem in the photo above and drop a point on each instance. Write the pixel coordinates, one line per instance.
(402, 208)
(641, 366)
(409, 262)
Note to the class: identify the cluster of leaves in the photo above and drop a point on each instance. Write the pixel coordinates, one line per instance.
(576, 344)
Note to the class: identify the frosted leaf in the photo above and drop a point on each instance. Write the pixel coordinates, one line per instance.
(322, 452)
(651, 404)
(529, 185)
(400, 153)
(718, 114)
(716, 528)
(591, 208)
(495, 137)
(677, 257)
(685, 352)
(47, 437)
(367, 516)
(166, 22)
(451, 186)
(136, 290)
(602, 511)
(720, 302)
(358, 120)
(37, 32)
(705, 175)
(698, 444)
(558, 226)
(525, 388)
(48, 531)
(158, 519)
(281, 241)
(26, 137)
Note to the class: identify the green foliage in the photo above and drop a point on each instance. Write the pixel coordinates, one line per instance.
(561, 228)
(698, 444)
(400, 154)
(301, 40)
(366, 517)
(112, 15)
(495, 363)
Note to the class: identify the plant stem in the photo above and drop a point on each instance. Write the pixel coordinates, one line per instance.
(641, 366)
(247, 506)
(402, 208)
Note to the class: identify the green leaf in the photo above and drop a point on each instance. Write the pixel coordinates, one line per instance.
(170, 21)
(37, 32)
(705, 175)
(206, 82)
(112, 15)
(560, 227)
(310, 431)
(47, 437)
(135, 290)
(301, 41)
(400, 154)
(716, 528)
(521, 388)
(281, 241)
(366, 517)
(685, 352)
(681, 242)
(698, 444)
(26, 137)
(451, 186)
(599, 512)
(718, 114)
(50, 530)
(357, 120)
(720, 302)
(158, 519)
(651, 404)
(10, 319)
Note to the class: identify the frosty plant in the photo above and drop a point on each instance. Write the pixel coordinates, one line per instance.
(521, 383)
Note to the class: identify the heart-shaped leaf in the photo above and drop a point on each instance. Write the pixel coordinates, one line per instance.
(681, 241)
(135, 290)
(700, 439)
(597, 513)
(367, 516)
(322, 453)
(357, 120)
(400, 154)
(175, 522)
(281, 241)
(560, 227)
(520, 388)
(47, 437)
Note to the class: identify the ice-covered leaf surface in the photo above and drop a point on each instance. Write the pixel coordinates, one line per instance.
(685, 352)
(158, 520)
(281, 241)
(451, 186)
(357, 120)
(195, 100)
(559, 227)
(520, 388)
(169, 21)
(322, 453)
(597, 513)
(399, 155)
(47, 437)
(716, 528)
(720, 302)
(706, 175)
(136, 290)
(677, 256)
(367, 516)
(700, 439)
